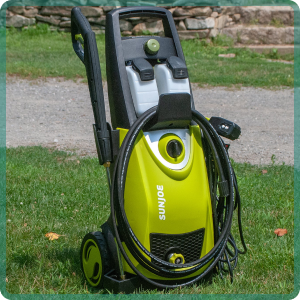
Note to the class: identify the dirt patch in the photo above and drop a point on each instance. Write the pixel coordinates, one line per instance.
(57, 113)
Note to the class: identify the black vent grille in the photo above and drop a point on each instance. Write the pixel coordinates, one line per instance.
(189, 244)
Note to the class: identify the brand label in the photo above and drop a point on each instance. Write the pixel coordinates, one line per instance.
(161, 202)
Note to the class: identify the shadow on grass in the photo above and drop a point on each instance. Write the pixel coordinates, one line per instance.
(24, 259)
(67, 258)
(70, 257)
(67, 262)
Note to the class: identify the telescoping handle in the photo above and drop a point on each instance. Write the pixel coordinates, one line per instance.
(85, 46)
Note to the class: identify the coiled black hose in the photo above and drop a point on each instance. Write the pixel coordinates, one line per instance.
(223, 208)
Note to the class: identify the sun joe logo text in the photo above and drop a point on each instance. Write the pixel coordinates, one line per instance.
(161, 202)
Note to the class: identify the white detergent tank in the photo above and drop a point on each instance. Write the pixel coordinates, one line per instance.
(167, 84)
(144, 93)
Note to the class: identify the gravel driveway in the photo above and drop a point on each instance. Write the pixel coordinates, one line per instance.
(57, 113)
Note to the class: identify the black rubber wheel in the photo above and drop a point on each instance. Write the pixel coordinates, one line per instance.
(95, 260)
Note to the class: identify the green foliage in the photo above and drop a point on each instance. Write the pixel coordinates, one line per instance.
(248, 68)
(37, 30)
(223, 40)
(11, 31)
(277, 23)
(48, 190)
(146, 32)
(254, 22)
(274, 54)
(39, 52)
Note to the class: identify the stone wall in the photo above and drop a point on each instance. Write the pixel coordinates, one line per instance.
(246, 25)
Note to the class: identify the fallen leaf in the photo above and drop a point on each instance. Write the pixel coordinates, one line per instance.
(264, 171)
(280, 231)
(229, 55)
(52, 236)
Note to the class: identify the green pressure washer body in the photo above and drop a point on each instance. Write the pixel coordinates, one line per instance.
(172, 187)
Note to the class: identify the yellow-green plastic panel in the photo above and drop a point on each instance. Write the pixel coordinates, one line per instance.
(161, 200)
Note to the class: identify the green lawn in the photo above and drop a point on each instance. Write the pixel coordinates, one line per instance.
(54, 191)
(38, 52)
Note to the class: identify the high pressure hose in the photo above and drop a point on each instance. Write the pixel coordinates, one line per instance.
(221, 177)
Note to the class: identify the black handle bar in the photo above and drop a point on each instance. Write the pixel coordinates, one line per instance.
(141, 11)
(147, 11)
(88, 54)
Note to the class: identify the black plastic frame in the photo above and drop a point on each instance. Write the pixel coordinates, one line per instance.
(133, 283)
(120, 100)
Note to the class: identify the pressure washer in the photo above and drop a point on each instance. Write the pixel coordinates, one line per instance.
(173, 190)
